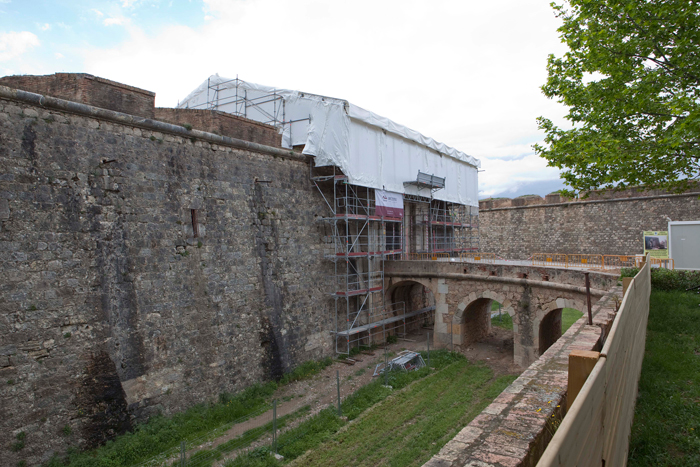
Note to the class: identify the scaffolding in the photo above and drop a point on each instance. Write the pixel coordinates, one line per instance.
(233, 96)
(436, 226)
(359, 243)
(453, 228)
(360, 240)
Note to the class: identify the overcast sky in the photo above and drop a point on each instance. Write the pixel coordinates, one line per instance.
(466, 73)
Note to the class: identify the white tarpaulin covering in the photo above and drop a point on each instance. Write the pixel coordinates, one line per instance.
(371, 150)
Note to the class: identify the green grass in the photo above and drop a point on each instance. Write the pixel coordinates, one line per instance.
(667, 415)
(404, 421)
(207, 457)
(568, 317)
(412, 425)
(306, 370)
(163, 433)
(502, 321)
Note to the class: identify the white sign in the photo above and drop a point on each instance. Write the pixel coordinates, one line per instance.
(388, 204)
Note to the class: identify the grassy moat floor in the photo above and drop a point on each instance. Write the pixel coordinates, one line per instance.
(667, 415)
(403, 424)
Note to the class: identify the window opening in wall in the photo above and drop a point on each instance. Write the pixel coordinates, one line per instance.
(195, 223)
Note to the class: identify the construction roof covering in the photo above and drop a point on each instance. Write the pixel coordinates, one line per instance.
(371, 150)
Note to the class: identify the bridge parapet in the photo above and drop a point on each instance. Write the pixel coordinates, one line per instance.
(517, 426)
(532, 295)
(599, 280)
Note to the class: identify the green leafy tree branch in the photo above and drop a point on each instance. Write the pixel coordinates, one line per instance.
(631, 80)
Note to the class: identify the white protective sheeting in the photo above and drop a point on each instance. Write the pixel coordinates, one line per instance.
(371, 150)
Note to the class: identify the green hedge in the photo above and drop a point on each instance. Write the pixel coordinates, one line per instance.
(668, 279)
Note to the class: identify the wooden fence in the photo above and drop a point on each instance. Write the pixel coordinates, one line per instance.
(595, 431)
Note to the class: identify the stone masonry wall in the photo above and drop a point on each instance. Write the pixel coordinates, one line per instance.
(112, 309)
(87, 89)
(605, 223)
(223, 124)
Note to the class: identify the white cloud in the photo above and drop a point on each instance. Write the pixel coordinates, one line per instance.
(97, 12)
(58, 55)
(5, 1)
(115, 21)
(45, 27)
(13, 44)
(464, 73)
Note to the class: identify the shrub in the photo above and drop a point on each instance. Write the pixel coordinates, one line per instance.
(668, 279)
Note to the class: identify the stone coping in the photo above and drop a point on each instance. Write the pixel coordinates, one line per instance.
(54, 103)
(516, 427)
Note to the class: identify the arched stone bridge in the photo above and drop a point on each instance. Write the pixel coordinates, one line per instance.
(533, 296)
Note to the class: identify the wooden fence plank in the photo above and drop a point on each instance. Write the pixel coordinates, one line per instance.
(597, 426)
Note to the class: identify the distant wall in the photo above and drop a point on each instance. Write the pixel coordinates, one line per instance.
(111, 308)
(604, 223)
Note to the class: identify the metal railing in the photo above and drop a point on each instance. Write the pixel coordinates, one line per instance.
(476, 257)
(598, 262)
(426, 256)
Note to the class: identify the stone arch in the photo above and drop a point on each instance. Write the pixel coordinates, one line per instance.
(471, 321)
(548, 322)
(415, 294)
(506, 302)
(402, 287)
(408, 282)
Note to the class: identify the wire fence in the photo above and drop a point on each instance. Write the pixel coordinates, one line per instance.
(260, 434)
(225, 441)
(258, 431)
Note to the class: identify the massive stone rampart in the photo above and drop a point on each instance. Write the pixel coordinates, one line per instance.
(144, 268)
(608, 223)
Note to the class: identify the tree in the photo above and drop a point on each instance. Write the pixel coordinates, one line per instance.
(631, 81)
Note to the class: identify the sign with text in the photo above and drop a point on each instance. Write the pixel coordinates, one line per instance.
(656, 243)
(388, 204)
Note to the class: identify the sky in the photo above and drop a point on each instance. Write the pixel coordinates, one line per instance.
(466, 73)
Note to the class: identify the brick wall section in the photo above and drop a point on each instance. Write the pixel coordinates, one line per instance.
(222, 124)
(88, 89)
(111, 309)
(604, 223)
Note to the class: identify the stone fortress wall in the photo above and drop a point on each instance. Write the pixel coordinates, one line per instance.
(151, 259)
(144, 267)
(608, 223)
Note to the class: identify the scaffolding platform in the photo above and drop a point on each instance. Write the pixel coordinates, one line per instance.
(352, 293)
(369, 253)
(383, 322)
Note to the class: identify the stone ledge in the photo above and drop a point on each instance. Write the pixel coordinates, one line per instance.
(514, 429)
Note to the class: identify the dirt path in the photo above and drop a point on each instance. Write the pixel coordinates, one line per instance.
(320, 391)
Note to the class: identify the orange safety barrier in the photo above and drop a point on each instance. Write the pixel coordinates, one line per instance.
(597, 262)
(621, 261)
(549, 259)
(477, 257)
(585, 261)
(662, 263)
